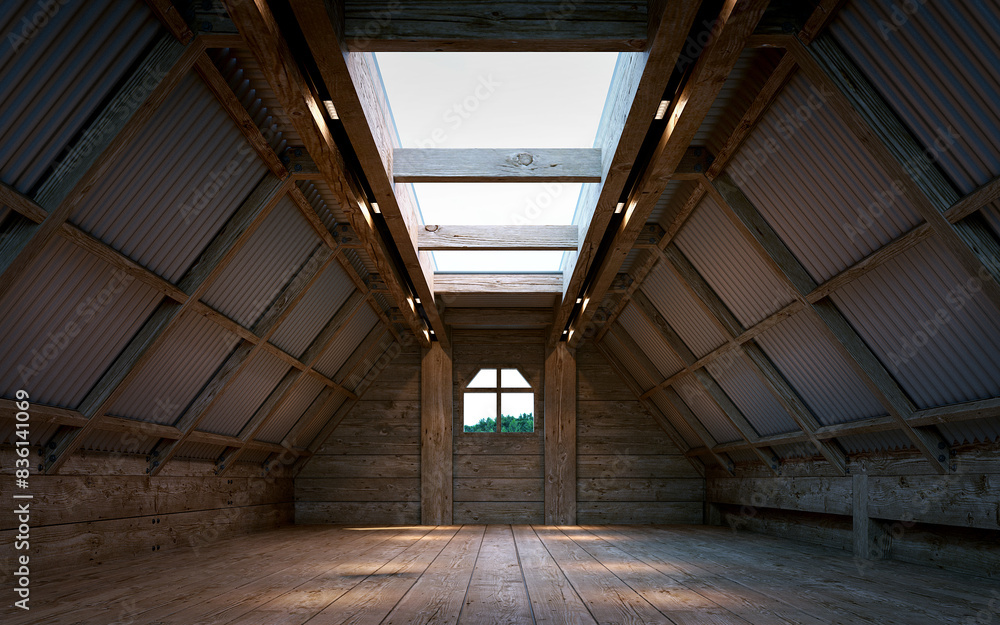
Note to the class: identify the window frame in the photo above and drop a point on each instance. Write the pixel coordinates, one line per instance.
(499, 390)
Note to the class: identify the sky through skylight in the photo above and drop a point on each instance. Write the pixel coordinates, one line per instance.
(497, 100)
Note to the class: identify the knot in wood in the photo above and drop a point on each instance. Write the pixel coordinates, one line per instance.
(523, 158)
(430, 228)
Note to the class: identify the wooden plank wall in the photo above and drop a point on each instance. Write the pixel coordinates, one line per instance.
(368, 472)
(913, 513)
(499, 477)
(102, 507)
(628, 470)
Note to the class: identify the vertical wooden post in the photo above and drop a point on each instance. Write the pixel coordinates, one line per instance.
(560, 436)
(871, 541)
(435, 436)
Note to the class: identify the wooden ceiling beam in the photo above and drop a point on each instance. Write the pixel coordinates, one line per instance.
(685, 115)
(484, 26)
(514, 318)
(497, 283)
(296, 96)
(357, 93)
(496, 165)
(533, 238)
(636, 90)
(172, 20)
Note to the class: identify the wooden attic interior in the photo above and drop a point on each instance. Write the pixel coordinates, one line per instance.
(766, 380)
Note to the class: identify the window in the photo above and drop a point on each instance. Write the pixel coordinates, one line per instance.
(502, 392)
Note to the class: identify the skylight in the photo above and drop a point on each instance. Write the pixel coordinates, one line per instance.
(497, 100)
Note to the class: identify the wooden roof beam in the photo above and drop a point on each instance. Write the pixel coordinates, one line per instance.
(356, 89)
(295, 94)
(496, 165)
(687, 111)
(484, 26)
(534, 238)
(636, 90)
(497, 283)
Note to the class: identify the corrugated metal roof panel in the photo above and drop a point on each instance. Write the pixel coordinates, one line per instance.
(730, 265)
(681, 311)
(968, 432)
(246, 91)
(662, 210)
(323, 201)
(55, 77)
(162, 390)
(119, 443)
(823, 193)
(937, 69)
(290, 411)
(889, 440)
(362, 264)
(737, 377)
(926, 320)
(171, 191)
(237, 404)
(247, 62)
(749, 74)
(743, 455)
(314, 310)
(643, 378)
(347, 341)
(675, 419)
(650, 342)
(65, 321)
(707, 411)
(818, 371)
(263, 267)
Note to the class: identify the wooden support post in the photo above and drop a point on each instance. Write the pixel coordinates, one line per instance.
(871, 541)
(436, 418)
(560, 436)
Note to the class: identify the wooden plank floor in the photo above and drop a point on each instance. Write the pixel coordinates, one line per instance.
(499, 574)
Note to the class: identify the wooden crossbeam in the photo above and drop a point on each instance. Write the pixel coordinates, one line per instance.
(533, 238)
(357, 93)
(107, 137)
(496, 165)
(634, 96)
(260, 30)
(685, 115)
(514, 318)
(172, 20)
(482, 26)
(500, 283)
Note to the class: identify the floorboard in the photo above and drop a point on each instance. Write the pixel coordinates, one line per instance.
(505, 575)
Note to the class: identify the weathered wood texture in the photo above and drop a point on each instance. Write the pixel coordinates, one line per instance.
(105, 508)
(368, 471)
(481, 26)
(628, 470)
(436, 413)
(496, 165)
(487, 489)
(560, 436)
(530, 238)
(505, 284)
(874, 510)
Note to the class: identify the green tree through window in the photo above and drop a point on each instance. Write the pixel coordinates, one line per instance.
(503, 392)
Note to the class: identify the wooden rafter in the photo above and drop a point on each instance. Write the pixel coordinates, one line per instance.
(636, 90)
(502, 283)
(172, 20)
(533, 238)
(496, 165)
(687, 110)
(261, 33)
(356, 90)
